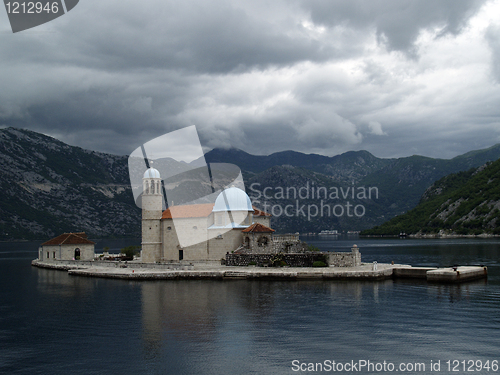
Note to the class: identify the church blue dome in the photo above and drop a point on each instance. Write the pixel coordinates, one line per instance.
(232, 199)
(152, 173)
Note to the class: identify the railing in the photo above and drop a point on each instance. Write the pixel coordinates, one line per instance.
(285, 237)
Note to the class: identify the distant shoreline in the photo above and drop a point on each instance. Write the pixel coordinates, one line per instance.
(431, 235)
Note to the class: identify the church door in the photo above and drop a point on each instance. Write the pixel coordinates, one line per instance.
(77, 253)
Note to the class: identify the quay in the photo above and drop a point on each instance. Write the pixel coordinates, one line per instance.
(171, 271)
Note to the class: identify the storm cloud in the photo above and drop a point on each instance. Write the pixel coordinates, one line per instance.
(392, 77)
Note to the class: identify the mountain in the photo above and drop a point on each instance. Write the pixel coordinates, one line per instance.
(464, 203)
(346, 167)
(302, 200)
(400, 182)
(49, 187)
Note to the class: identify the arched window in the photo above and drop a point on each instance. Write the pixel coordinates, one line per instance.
(263, 241)
(77, 253)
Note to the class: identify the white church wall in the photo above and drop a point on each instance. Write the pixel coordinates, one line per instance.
(196, 228)
(227, 242)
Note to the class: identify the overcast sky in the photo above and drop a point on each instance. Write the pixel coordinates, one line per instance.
(395, 78)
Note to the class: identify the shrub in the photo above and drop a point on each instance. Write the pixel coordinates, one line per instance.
(277, 260)
(130, 251)
(313, 248)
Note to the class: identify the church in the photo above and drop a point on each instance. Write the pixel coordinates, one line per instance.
(202, 232)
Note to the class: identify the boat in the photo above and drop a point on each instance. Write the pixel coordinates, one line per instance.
(329, 233)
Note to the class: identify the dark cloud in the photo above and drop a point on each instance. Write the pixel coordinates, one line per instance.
(493, 37)
(313, 76)
(397, 23)
(193, 36)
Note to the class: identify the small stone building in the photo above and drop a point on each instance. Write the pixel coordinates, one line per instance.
(258, 238)
(67, 246)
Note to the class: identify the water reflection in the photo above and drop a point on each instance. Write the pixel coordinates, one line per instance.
(206, 313)
(182, 309)
(224, 322)
(458, 292)
(244, 326)
(56, 282)
(195, 309)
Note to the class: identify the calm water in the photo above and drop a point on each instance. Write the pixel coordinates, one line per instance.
(51, 323)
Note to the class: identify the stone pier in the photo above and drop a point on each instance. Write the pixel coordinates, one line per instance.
(141, 271)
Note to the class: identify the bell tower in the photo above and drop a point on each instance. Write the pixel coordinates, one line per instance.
(152, 205)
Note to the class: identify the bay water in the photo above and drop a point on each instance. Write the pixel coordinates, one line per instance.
(53, 323)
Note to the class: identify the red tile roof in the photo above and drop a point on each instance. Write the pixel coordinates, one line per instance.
(258, 228)
(82, 234)
(197, 210)
(79, 238)
(193, 210)
(257, 212)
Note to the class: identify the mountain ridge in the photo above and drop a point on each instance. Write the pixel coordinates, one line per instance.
(464, 203)
(50, 187)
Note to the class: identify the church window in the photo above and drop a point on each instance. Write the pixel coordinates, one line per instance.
(152, 187)
(147, 188)
(54, 254)
(169, 228)
(48, 255)
(263, 241)
(181, 254)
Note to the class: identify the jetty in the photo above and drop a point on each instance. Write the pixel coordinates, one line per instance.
(176, 271)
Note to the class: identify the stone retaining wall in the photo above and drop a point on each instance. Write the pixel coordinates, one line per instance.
(292, 260)
(68, 264)
(344, 259)
(333, 259)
